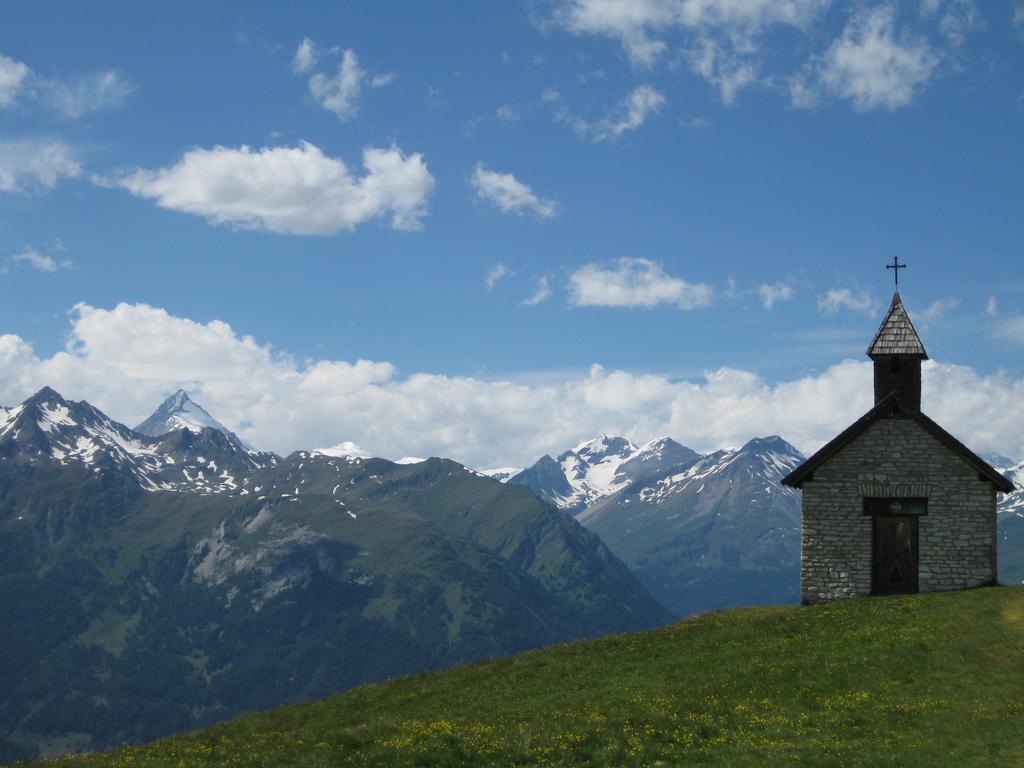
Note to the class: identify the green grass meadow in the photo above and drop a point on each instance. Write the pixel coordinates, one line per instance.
(924, 680)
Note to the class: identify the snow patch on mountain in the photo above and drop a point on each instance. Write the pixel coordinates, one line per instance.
(501, 474)
(591, 470)
(1013, 503)
(7, 418)
(347, 449)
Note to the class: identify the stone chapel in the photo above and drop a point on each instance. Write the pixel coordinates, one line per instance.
(896, 504)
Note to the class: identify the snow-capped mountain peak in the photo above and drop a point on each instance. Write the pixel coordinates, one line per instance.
(605, 466)
(47, 428)
(179, 411)
(603, 447)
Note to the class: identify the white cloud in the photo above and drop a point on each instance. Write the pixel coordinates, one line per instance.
(937, 309)
(992, 306)
(1018, 16)
(722, 67)
(383, 79)
(869, 65)
(961, 17)
(295, 190)
(634, 283)
(630, 22)
(40, 261)
(719, 38)
(496, 273)
(1011, 329)
(507, 114)
(840, 298)
(509, 194)
(35, 165)
(630, 113)
(773, 293)
(434, 97)
(639, 24)
(125, 360)
(340, 94)
(541, 293)
(13, 75)
(305, 57)
(73, 96)
(83, 94)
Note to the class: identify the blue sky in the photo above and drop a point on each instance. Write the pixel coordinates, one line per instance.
(663, 188)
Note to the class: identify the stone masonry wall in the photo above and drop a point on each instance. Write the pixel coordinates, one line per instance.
(896, 457)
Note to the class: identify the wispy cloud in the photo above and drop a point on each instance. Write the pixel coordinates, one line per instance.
(40, 261)
(634, 283)
(937, 309)
(73, 97)
(719, 39)
(992, 306)
(721, 66)
(772, 293)
(13, 75)
(383, 79)
(340, 92)
(642, 103)
(640, 25)
(542, 292)
(1011, 329)
(957, 20)
(844, 298)
(36, 165)
(80, 95)
(305, 56)
(494, 274)
(509, 194)
(870, 64)
(506, 113)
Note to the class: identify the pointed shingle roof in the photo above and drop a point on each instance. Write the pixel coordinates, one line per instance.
(897, 336)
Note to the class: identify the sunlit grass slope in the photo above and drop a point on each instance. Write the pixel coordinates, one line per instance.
(926, 680)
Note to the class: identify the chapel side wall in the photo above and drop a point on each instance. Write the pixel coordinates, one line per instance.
(896, 457)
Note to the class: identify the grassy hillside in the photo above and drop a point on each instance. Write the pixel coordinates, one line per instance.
(126, 616)
(926, 680)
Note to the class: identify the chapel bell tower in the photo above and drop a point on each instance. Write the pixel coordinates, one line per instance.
(897, 353)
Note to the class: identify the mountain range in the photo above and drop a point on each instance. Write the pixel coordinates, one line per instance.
(152, 584)
(700, 531)
(160, 578)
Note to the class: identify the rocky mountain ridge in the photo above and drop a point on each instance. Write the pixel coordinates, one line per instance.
(700, 531)
(149, 585)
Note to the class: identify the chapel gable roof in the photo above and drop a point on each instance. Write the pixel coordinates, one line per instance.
(887, 407)
(896, 335)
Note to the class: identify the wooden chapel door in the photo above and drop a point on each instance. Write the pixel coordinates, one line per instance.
(894, 555)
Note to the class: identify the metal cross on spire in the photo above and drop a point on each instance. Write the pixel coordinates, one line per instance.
(896, 267)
